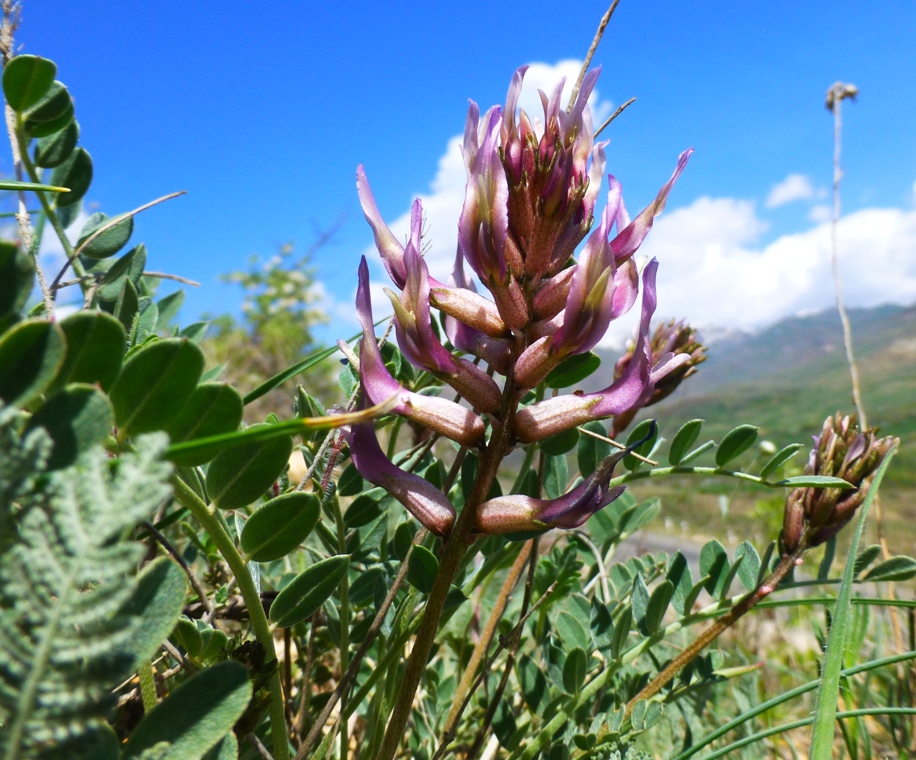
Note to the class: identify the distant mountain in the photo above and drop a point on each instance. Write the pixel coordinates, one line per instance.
(789, 377)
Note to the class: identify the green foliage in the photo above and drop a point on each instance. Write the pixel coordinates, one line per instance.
(66, 582)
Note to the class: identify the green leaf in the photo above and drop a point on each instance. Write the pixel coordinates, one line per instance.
(195, 331)
(54, 104)
(779, 459)
(129, 266)
(95, 349)
(226, 748)
(591, 450)
(680, 577)
(188, 635)
(573, 370)
(308, 406)
(749, 568)
(555, 477)
(30, 355)
(422, 567)
(574, 670)
(127, 307)
(639, 599)
(532, 682)
(825, 707)
(17, 277)
(77, 418)
(735, 443)
(308, 591)
(694, 594)
(868, 555)
(44, 128)
(814, 481)
(685, 437)
(162, 589)
(145, 323)
(622, 627)
(212, 409)
(601, 624)
(168, 308)
(365, 508)
(714, 565)
(107, 243)
(658, 605)
(638, 516)
(572, 632)
(277, 528)
(239, 476)
(643, 429)
(26, 80)
(897, 568)
(559, 444)
(74, 173)
(67, 575)
(351, 482)
(196, 715)
(54, 149)
(155, 383)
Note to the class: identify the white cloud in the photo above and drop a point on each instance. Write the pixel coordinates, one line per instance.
(712, 273)
(820, 213)
(795, 187)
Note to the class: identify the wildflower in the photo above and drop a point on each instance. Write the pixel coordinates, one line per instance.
(629, 391)
(519, 513)
(673, 337)
(421, 498)
(446, 417)
(813, 515)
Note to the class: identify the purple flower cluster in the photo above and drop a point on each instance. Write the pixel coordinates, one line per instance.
(531, 199)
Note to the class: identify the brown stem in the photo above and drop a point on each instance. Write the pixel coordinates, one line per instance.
(166, 544)
(484, 728)
(605, 20)
(716, 629)
(451, 554)
(483, 643)
(346, 680)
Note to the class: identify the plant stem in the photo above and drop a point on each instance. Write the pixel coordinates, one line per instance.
(211, 523)
(344, 623)
(451, 555)
(483, 643)
(716, 629)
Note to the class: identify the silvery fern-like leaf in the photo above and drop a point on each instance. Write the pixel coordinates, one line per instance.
(66, 574)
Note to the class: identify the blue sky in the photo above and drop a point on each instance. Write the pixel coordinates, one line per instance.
(263, 111)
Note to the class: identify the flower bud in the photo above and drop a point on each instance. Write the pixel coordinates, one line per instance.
(519, 513)
(840, 451)
(672, 338)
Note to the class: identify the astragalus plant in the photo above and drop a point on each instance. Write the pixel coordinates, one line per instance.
(175, 584)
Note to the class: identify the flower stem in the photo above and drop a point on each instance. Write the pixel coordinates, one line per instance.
(451, 555)
(210, 523)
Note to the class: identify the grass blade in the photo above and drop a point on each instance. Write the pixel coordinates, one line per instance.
(825, 714)
(791, 694)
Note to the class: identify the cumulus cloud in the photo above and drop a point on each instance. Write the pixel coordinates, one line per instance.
(714, 272)
(795, 187)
